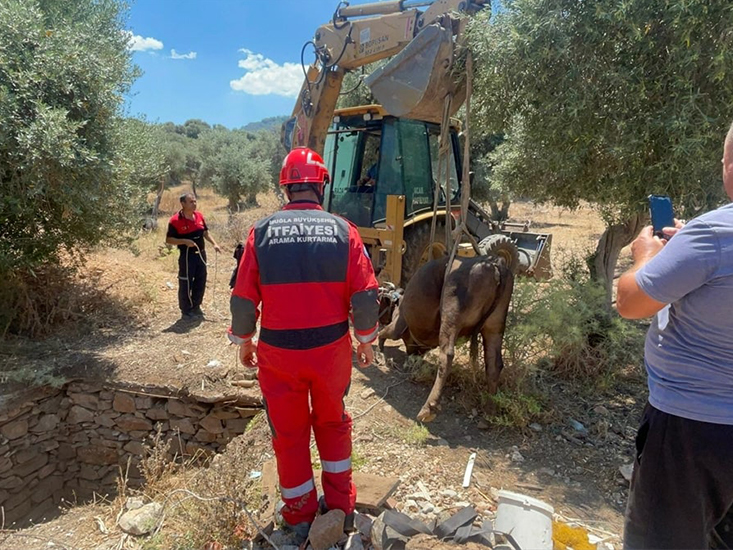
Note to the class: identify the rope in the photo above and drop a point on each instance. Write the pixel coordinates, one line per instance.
(466, 189)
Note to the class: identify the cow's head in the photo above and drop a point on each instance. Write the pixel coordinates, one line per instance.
(389, 300)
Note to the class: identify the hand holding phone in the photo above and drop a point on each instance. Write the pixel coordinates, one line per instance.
(662, 214)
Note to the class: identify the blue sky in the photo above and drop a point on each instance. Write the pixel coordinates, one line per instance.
(227, 62)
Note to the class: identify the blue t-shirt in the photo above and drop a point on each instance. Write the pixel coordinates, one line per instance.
(689, 346)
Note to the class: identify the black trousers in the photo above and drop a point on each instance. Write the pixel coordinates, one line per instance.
(682, 488)
(191, 279)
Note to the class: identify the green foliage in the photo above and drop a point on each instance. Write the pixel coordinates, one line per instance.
(353, 90)
(236, 163)
(270, 124)
(607, 101)
(67, 160)
(512, 408)
(564, 326)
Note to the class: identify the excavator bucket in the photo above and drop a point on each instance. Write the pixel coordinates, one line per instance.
(415, 82)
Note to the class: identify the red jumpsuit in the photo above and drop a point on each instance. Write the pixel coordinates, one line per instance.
(307, 269)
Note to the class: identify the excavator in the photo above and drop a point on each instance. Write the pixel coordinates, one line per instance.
(396, 167)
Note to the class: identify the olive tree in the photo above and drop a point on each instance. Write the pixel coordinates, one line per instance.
(607, 102)
(233, 164)
(69, 165)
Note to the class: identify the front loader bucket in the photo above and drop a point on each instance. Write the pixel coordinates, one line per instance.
(415, 82)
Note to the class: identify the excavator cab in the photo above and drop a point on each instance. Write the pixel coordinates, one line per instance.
(371, 156)
(384, 171)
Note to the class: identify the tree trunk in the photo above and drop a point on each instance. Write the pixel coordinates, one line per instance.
(152, 223)
(602, 262)
(193, 187)
(500, 213)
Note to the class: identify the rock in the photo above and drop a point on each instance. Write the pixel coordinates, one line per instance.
(97, 455)
(78, 414)
(214, 363)
(184, 425)
(224, 414)
(124, 403)
(517, 456)
(449, 493)
(601, 411)
(212, 424)
(128, 423)
(327, 529)
(14, 430)
(354, 542)
(427, 508)
(237, 425)
(627, 470)
(157, 413)
(86, 400)
(46, 423)
(204, 436)
(411, 504)
(179, 408)
(12, 482)
(535, 427)
(577, 426)
(483, 425)
(367, 393)
(383, 537)
(34, 464)
(363, 523)
(133, 503)
(141, 521)
(135, 447)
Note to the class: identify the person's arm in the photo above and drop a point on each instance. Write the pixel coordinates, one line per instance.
(172, 237)
(665, 271)
(209, 238)
(631, 301)
(244, 304)
(363, 290)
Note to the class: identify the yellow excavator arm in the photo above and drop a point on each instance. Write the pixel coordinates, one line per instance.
(413, 84)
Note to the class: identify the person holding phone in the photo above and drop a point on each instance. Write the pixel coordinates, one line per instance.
(681, 493)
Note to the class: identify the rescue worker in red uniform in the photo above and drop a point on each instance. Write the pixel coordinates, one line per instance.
(306, 269)
(187, 229)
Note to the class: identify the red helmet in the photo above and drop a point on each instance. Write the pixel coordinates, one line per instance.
(303, 165)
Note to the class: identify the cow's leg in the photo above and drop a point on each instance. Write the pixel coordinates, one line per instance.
(447, 351)
(492, 333)
(394, 331)
(493, 362)
(473, 351)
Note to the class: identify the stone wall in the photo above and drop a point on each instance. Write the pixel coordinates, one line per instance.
(71, 442)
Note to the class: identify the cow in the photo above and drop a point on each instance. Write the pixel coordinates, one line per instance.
(477, 292)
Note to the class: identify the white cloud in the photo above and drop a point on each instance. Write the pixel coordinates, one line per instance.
(176, 55)
(263, 76)
(139, 44)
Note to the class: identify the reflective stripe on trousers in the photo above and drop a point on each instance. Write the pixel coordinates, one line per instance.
(299, 491)
(336, 466)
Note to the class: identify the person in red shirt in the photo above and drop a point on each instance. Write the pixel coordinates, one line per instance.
(305, 270)
(187, 229)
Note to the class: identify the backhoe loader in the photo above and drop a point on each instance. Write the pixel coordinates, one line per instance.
(391, 174)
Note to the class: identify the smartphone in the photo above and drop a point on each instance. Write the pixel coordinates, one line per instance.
(660, 208)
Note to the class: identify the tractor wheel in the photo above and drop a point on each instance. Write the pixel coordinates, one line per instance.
(502, 247)
(418, 250)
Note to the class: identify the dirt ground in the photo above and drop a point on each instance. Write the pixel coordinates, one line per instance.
(577, 474)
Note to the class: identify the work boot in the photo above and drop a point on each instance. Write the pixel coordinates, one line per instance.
(197, 312)
(187, 316)
(287, 534)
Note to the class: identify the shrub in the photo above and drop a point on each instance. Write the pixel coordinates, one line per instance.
(564, 325)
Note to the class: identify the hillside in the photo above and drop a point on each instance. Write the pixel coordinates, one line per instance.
(269, 123)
